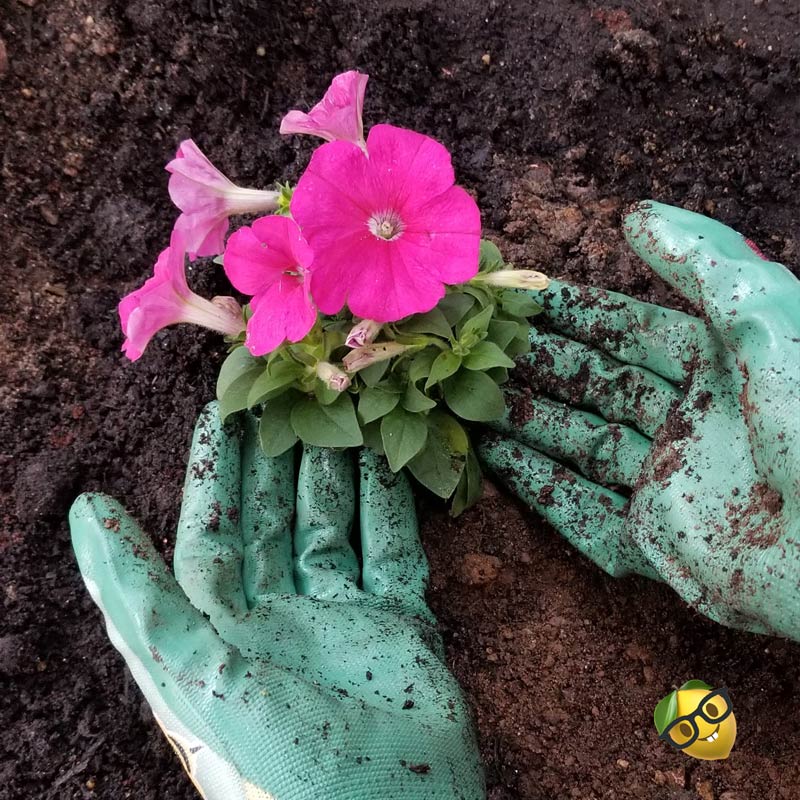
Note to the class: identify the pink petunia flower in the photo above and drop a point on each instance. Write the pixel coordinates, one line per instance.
(207, 198)
(389, 231)
(337, 117)
(166, 299)
(272, 262)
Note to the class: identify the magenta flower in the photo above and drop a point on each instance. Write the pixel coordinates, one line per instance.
(207, 198)
(388, 231)
(338, 115)
(166, 299)
(272, 262)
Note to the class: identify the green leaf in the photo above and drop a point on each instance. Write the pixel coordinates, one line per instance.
(274, 381)
(439, 464)
(275, 431)
(372, 437)
(324, 393)
(454, 305)
(695, 684)
(446, 363)
(666, 711)
(421, 365)
(372, 374)
(490, 257)
(327, 426)
(518, 346)
(434, 321)
(519, 304)
(374, 403)
(486, 355)
(502, 331)
(483, 296)
(477, 325)
(474, 396)
(238, 373)
(415, 401)
(498, 374)
(403, 435)
(470, 486)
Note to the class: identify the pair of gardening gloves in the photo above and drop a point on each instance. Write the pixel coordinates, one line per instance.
(285, 662)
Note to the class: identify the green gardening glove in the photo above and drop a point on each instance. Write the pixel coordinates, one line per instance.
(681, 434)
(284, 664)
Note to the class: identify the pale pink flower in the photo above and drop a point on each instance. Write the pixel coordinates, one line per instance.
(370, 354)
(207, 198)
(389, 231)
(332, 376)
(166, 299)
(271, 261)
(338, 115)
(363, 333)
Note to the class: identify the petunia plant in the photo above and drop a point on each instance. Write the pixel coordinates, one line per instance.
(376, 315)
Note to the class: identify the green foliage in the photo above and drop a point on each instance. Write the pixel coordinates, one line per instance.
(275, 429)
(474, 396)
(403, 435)
(438, 466)
(446, 367)
(333, 425)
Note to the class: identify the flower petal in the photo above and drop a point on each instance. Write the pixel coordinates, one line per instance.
(445, 235)
(257, 256)
(434, 237)
(204, 233)
(338, 116)
(406, 167)
(282, 311)
(157, 304)
(193, 176)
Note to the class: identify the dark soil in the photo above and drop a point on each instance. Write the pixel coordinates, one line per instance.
(558, 114)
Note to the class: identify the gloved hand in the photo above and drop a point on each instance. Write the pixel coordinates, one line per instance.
(319, 674)
(694, 423)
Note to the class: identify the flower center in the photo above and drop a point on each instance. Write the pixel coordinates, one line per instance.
(386, 225)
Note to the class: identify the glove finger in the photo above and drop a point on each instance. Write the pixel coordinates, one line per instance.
(183, 668)
(395, 564)
(149, 619)
(755, 305)
(633, 332)
(582, 376)
(709, 263)
(604, 452)
(208, 547)
(591, 517)
(325, 565)
(267, 509)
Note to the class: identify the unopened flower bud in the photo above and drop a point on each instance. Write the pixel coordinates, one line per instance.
(514, 279)
(332, 376)
(371, 354)
(363, 333)
(229, 306)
